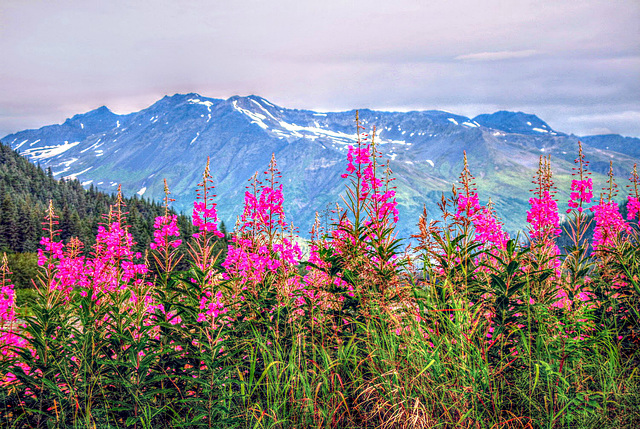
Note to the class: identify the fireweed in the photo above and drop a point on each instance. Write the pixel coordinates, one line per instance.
(610, 226)
(633, 205)
(355, 339)
(263, 256)
(577, 261)
(360, 252)
(9, 326)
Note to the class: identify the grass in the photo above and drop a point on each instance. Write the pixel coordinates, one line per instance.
(462, 335)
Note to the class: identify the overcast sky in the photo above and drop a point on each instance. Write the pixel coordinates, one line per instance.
(576, 63)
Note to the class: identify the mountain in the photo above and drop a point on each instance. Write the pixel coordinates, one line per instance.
(173, 137)
(515, 123)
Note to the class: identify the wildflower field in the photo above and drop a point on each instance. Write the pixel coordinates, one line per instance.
(469, 328)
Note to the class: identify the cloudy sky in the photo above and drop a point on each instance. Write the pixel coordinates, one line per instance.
(576, 64)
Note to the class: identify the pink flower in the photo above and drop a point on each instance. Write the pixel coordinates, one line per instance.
(633, 208)
(489, 229)
(609, 224)
(582, 193)
(165, 227)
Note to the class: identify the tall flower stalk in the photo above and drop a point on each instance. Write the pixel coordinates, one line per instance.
(543, 217)
(610, 225)
(633, 200)
(205, 217)
(582, 193)
(164, 244)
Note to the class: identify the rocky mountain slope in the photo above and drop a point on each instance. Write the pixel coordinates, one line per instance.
(173, 138)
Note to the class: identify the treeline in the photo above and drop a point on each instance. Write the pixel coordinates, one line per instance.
(25, 191)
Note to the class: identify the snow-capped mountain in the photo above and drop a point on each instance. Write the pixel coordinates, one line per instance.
(173, 138)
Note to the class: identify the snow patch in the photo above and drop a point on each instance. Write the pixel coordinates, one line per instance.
(142, 191)
(264, 110)
(93, 146)
(73, 176)
(46, 152)
(453, 120)
(203, 102)
(66, 164)
(297, 129)
(21, 143)
(430, 163)
(266, 102)
(470, 124)
(31, 144)
(81, 125)
(256, 118)
(540, 130)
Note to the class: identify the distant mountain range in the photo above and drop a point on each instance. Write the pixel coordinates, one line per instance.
(172, 138)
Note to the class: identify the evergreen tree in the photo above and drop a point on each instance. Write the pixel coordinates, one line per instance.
(25, 191)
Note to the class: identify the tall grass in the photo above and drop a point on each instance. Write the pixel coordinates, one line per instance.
(470, 329)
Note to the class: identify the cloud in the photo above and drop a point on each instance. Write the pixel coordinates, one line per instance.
(599, 131)
(556, 58)
(625, 123)
(628, 116)
(497, 56)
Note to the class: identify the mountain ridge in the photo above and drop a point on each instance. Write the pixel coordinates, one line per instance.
(172, 138)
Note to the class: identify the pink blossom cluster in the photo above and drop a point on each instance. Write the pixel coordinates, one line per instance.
(9, 326)
(468, 205)
(205, 218)
(251, 262)
(581, 298)
(488, 229)
(113, 266)
(633, 208)
(360, 155)
(166, 227)
(52, 249)
(609, 224)
(261, 246)
(214, 309)
(70, 271)
(317, 282)
(372, 189)
(66, 267)
(264, 210)
(582, 193)
(543, 217)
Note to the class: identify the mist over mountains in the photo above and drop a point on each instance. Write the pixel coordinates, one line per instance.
(173, 137)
